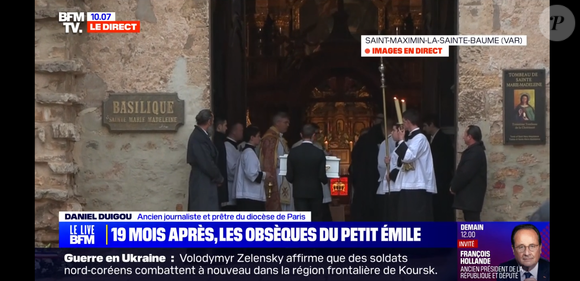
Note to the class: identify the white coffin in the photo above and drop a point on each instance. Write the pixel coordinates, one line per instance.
(332, 166)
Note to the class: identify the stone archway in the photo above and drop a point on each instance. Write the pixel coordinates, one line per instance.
(321, 66)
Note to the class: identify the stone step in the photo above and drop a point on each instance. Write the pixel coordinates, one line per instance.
(52, 66)
(62, 168)
(57, 98)
(66, 131)
(51, 13)
(50, 158)
(52, 194)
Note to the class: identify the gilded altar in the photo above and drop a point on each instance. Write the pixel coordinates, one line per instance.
(342, 109)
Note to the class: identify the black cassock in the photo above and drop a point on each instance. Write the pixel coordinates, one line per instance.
(219, 140)
(364, 176)
(444, 166)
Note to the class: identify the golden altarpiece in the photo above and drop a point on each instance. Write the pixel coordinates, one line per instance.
(343, 118)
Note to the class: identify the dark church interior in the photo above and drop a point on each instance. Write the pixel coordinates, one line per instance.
(303, 57)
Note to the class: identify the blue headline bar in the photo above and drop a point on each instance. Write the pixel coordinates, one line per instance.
(256, 235)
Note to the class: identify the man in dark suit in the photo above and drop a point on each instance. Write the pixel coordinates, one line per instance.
(364, 175)
(527, 249)
(205, 176)
(469, 183)
(219, 140)
(306, 170)
(443, 164)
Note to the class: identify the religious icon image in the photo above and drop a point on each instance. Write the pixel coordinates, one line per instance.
(524, 104)
(340, 125)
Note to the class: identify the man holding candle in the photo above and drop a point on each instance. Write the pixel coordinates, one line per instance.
(415, 178)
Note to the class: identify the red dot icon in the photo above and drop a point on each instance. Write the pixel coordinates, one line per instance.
(367, 51)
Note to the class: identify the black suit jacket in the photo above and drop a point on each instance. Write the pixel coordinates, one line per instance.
(306, 171)
(470, 181)
(543, 270)
(219, 140)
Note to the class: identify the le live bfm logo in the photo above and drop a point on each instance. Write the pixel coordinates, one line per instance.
(97, 22)
(82, 234)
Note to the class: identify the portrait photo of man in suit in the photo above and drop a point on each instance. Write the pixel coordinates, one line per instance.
(527, 248)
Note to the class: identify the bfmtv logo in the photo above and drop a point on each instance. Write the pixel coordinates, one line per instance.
(557, 23)
(82, 239)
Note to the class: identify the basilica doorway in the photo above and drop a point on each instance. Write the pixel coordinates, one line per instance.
(303, 57)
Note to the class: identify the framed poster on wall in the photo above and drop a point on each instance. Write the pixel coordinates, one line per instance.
(524, 106)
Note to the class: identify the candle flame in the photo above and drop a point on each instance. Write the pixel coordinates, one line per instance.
(402, 100)
(395, 98)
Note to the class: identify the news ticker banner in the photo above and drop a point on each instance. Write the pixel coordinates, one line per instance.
(260, 264)
(431, 45)
(96, 22)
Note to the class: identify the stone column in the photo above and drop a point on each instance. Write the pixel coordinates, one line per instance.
(56, 104)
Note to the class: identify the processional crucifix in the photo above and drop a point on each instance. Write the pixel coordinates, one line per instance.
(381, 7)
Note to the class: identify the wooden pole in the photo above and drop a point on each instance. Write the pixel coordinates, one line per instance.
(384, 88)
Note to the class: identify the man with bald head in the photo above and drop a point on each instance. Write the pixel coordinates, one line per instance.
(527, 248)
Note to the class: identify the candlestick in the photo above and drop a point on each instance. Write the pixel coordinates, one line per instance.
(350, 144)
(398, 109)
(326, 145)
(404, 105)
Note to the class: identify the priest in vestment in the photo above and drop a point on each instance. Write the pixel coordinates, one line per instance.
(271, 147)
(416, 177)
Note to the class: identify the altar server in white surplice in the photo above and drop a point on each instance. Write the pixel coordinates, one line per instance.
(383, 199)
(393, 188)
(235, 135)
(249, 178)
(415, 177)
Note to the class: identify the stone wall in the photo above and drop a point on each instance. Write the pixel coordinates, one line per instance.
(141, 171)
(518, 176)
(56, 102)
